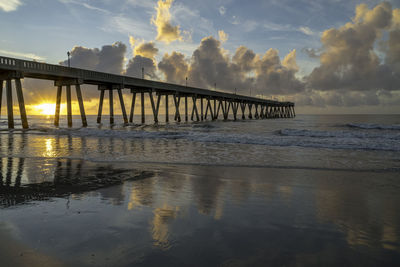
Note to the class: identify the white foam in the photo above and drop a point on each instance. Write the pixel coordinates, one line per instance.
(340, 134)
(287, 137)
(374, 126)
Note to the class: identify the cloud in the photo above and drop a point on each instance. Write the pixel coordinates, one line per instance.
(166, 32)
(135, 65)
(174, 67)
(10, 5)
(132, 41)
(264, 74)
(110, 58)
(274, 77)
(148, 50)
(306, 30)
(223, 36)
(23, 55)
(222, 10)
(348, 60)
(86, 5)
(144, 58)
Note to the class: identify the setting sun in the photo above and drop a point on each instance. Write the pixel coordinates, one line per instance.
(45, 109)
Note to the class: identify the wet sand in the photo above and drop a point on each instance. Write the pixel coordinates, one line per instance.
(102, 214)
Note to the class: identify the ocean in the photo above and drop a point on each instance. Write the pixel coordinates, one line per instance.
(309, 191)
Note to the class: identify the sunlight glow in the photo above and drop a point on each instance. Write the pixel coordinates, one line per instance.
(45, 109)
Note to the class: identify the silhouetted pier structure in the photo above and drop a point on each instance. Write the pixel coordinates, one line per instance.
(205, 103)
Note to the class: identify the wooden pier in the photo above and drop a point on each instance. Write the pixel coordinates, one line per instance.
(206, 104)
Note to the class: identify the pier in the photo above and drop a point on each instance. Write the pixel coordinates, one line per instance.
(205, 104)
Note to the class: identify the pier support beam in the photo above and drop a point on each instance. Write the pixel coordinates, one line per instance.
(177, 102)
(250, 114)
(101, 100)
(243, 108)
(154, 107)
(69, 106)
(68, 83)
(58, 104)
(215, 110)
(111, 102)
(201, 108)
(166, 108)
(8, 77)
(209, 108)
(81, 106)
(132, 107)
(143, 109)
(186, 108)
(256, 116)
(1, 94)
(10, 112)
(121, 101)
(235, 107)
(21, 103)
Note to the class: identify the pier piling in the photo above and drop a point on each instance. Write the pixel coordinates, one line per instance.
(111, 100)
(81, 106)
(21, 104)
(1, 94)
(166, 108)
(10, 112)
(101, 100)
(132, 107)
(142, 103)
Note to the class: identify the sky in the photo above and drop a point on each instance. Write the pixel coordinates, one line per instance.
(326, 56)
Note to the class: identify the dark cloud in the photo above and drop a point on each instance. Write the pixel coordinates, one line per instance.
(174, 67)
(135, 65)
(246, 70)
(110, 58)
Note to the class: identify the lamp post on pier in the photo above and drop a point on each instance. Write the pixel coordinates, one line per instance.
(69, 61)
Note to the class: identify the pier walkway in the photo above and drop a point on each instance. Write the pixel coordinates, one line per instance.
(205, 103)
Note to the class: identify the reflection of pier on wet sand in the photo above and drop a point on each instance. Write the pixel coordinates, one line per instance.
(69, 177)
(21, 180)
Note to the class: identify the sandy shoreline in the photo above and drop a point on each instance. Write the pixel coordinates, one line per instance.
(206, 215)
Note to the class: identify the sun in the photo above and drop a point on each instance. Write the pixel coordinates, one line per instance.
(45, 109)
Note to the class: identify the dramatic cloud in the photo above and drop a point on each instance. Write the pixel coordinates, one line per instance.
(246, 70)
(9, 5)
(393, 44)
(274, 77)
(143, 60)
(166, 32)
(110, 58)
(210, 65)
(148, 50)
(223, 36)
(174, 67)
(349, 61)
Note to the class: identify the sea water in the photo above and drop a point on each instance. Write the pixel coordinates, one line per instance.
(313, 190)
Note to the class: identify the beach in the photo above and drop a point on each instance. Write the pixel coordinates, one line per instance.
(309, 191)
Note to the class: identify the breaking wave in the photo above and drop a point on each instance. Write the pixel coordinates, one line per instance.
(370, 126)
(354, 140)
